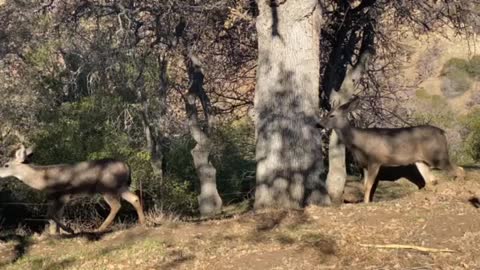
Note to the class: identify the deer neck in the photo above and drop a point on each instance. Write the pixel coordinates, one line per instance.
(347, 135)
(32, 177)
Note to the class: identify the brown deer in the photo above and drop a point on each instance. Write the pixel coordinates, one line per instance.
(425, 146)
(111, 178)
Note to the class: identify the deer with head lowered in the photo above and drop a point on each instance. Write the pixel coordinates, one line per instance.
(108, 177)
(425, 146)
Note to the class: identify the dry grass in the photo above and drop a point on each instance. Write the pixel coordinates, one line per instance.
(314, 238)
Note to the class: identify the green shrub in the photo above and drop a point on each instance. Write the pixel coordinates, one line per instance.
(85, 130)
(234, 159)
(178, 196)
(474, 67)
(232, 156)
(433, 109)
(422, 93)
(179, 161)
(80, 131)
(456, 82)
(455, 64)
(458, 74)
(472, 142)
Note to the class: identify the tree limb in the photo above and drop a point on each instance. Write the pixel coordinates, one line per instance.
(419, 248)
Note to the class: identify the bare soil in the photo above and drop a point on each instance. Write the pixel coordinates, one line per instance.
(446, 217)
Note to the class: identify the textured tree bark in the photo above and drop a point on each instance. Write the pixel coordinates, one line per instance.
(209, 200)
(153, 136)
(152, 130)
(337, 171)
(288, 146)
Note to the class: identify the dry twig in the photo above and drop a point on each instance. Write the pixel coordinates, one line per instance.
(396, 246)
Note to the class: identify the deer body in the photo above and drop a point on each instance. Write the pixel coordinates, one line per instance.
(111, 178)
(397, 146)
(90, 177)
(425, 146)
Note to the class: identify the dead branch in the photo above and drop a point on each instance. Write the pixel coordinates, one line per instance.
(398, 246)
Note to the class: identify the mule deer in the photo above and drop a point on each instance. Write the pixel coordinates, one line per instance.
(425, 146)
(111, 178)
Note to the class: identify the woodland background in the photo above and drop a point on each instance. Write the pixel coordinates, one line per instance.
(85, 80)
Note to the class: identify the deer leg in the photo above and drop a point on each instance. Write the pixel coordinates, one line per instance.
(135, 201)
(426, 174)
(365, 175)
(455, 171)
(114, 202)
(54, 215)
(52, 226)
(52, 211)
(459, 173)
(370, 178)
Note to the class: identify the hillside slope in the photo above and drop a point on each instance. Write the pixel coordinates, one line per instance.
(315, 238)
(428, 57)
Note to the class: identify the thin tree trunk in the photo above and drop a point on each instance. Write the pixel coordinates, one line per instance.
(153, 144)
(151, 128)
(209, 200)
(288, 148)
(337, 171)
(152, 133)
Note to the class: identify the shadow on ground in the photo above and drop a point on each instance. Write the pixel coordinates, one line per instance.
(22, 244)
(475, 202)
(90, 236)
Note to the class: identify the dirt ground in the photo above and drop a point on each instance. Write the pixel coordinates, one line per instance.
(445, 219)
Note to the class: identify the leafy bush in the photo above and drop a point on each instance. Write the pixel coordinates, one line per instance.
(472, 142)
(433, 109)
(458, 74)
(455, 64)
(86, 130)
(178, 160)
(456, 82)
(234, 158)
(80, 131)
(232, 155)
(474, 67)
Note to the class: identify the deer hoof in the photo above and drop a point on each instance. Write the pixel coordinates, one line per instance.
(460, 174)
(430, 186)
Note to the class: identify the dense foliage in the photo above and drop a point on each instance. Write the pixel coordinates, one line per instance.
(472, 142)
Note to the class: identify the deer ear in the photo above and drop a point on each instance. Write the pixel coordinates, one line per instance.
(351, 105)
(21, 154)
(334, 99)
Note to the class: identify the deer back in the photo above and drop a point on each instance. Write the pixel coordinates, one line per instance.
(100, 176)
(397, 146)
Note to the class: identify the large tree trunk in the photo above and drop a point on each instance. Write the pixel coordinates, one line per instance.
(209, 200)
(288, 147)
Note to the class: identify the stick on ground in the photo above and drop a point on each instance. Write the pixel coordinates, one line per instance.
(395, 246)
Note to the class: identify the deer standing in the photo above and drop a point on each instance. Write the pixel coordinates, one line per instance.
(111, 178)
(425, 146)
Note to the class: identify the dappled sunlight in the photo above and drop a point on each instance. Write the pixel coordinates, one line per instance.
(330, 237)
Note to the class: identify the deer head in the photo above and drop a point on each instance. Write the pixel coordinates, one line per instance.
(14, 165)
(337, 118)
